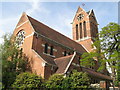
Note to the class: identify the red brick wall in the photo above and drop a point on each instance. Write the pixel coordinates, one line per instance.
(91, 29)
(87, 44)
(35, 61)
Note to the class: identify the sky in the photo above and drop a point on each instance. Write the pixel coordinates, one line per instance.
(57, 15)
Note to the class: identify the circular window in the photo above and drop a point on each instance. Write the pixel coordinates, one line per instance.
(80, 17)
(20, 38)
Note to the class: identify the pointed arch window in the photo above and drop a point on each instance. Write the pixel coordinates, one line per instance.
(46, 48)
(65, 53)
(85, 32)
(20, 38)
(76, 31)
(69, 53)
(51, 50)
(80, 30)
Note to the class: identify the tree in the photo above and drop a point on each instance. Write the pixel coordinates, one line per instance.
(76, 80)
(27, 80)
(110, 40)
(13, 61)
(89, 59)
(55, 81)
(107, 49)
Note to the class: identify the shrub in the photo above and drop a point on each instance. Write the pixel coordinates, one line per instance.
(76, 80)
(55, 81)
(28, 81)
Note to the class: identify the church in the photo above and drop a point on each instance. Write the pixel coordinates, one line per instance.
(51, 52)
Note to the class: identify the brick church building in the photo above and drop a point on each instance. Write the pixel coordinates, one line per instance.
(50, 52)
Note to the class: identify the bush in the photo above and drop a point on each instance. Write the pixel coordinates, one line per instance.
(76, 80)
(55, 81)
(28, 81)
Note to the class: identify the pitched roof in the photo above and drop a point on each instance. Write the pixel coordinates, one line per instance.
(62, 63)
(55, 36)
(96, 74)
(48, 60)
(88, 12)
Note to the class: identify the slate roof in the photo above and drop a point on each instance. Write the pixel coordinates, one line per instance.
(62, 63)
(96, 74)
(56, 36)
(48, 59)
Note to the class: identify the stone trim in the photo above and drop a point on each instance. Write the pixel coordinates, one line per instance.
(63, 53)
(49, 54)
(43, 64)
(30, 35)
(43, 45)
(55, 50)
(85, 48)
(90, 11)
(39, 56)
(49, 47)
(70, 63)
(94, 46)
(22, 24)
(77, 65)
(84, 38)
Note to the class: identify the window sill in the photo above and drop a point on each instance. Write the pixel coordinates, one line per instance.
(49, 55)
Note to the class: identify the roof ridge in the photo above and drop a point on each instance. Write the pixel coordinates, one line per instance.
(63, 57)
(49, 27)
(70, 62)
(55, 31)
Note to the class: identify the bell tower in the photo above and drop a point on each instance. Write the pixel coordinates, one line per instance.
(85, 28)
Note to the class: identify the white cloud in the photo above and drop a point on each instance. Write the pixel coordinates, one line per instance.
(7, 25)
(61, 21)
(36, 6)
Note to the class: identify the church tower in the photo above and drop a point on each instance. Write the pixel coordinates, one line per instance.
(85, 28)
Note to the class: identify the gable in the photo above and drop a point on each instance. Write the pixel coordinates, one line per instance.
(24, 24)
(74, 64)
(92, 15)
(80, 11)
(67, 63)
(62, 63)
(22, 19)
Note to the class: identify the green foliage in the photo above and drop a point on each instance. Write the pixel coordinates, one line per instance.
(87, 59)
(55, 81)
(107, 49)
(110, 45)
(110, 36)
(28, 81)
(74, 80)
(13, 61)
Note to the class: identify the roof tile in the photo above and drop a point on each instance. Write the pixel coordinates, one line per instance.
(62, 63)
(56, 36)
